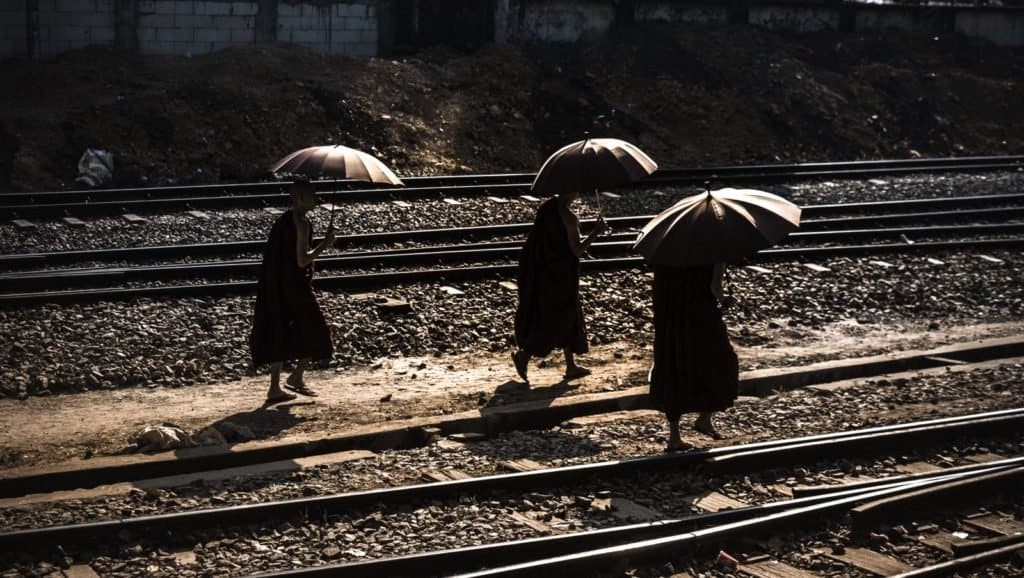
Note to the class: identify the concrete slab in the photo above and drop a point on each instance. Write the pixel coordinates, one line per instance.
(984, 458)
(817, 268)
(522, 465)
(273, 211)
(74, 221)
(917, 468)
(773, 569)
(451, 201)
(402, 204)
(536, 525)
(529, 198)
(991, 259)
(499, 200)
(935, 261)
(1000, 524)
(199, 215)
(134, 219)
(626, 510)
(871, 561)
(277, 467)
(759, 269)
(80, 571)
(714, 502)
(24, 224)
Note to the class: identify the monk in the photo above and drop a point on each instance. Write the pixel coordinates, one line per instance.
(695, 368)
(549, 313)
(288, 322)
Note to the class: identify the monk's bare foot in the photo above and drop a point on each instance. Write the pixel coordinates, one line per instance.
(520, 359)
(704, 426)
(299, 386)
(575, 372)
(675, 442)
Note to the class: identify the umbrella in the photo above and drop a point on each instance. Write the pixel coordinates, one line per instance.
(589, 164)
(716, 227)
(339, 162)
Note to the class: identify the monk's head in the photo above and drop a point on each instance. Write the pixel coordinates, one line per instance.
(303, 195)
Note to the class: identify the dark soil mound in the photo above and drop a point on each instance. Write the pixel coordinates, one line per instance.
(688, 95)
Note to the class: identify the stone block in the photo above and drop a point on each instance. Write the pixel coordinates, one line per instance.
(288, 11)
(102, 35)
(193, 21)
(212, 35)
(193, 48)
(361, 49)
(346, 36)
(147, 34)
(172, 7)
(243, 36)
(245, 8)
(307, 36)
(233, 22)
(357, 11)
(360, 24)
(46, 5)
(175, 34)
(368, 36)
(156, 21)
(76, 5)
(213, 8)
(146, 6)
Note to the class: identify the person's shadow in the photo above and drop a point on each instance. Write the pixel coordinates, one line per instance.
(513, 391)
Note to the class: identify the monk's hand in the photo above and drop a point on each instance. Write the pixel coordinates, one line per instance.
(330, 236)
(600, 226)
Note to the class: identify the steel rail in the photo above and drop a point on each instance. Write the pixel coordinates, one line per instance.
(835, 444)
(471, 558)
(484, 231)
(689, 174)
(113, 207)
(363, 281)
(615, 244)
(580, 562)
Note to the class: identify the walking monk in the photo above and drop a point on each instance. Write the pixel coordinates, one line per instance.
(549, 313)
(695, 367)
(287, 322)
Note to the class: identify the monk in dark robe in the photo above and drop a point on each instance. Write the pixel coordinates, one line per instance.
(549, 313)
(287, 322)
(695, 368)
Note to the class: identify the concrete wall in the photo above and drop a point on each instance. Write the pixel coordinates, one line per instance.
(192, 27)
(1001, 29)
(568, 20)
(13, 39)
(338, 28)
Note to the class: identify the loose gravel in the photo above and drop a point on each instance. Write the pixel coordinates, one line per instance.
(374, 217)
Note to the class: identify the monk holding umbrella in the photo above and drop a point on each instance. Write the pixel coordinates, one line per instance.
(695, 368)
(549, 314)
(287, 321)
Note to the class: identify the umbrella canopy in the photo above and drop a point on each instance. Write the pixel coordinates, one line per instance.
(587, 165)
(716, 227)
(338, 162)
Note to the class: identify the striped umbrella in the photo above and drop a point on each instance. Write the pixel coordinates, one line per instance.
(716, 227)
(590, 164)
(337, 162)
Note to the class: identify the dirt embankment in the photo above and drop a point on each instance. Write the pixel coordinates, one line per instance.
(687, 95)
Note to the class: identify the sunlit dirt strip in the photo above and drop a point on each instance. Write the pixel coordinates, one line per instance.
(113, 201)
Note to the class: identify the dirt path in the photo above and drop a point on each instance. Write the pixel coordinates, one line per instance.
(44, 430)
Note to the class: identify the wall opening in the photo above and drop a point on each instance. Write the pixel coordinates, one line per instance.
(461, 24)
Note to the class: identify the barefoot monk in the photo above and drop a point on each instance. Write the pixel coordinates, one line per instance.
(549, 313)
(287, 321)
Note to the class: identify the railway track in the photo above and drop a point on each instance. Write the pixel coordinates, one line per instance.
(117, 201)
(601, 549)
(822, 237)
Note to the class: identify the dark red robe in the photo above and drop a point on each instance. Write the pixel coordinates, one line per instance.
(695, 367)
(287, 322)
(549, 314)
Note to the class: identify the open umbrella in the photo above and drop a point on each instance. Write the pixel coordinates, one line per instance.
(590, 164)
(338, 162)
(719, 226)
